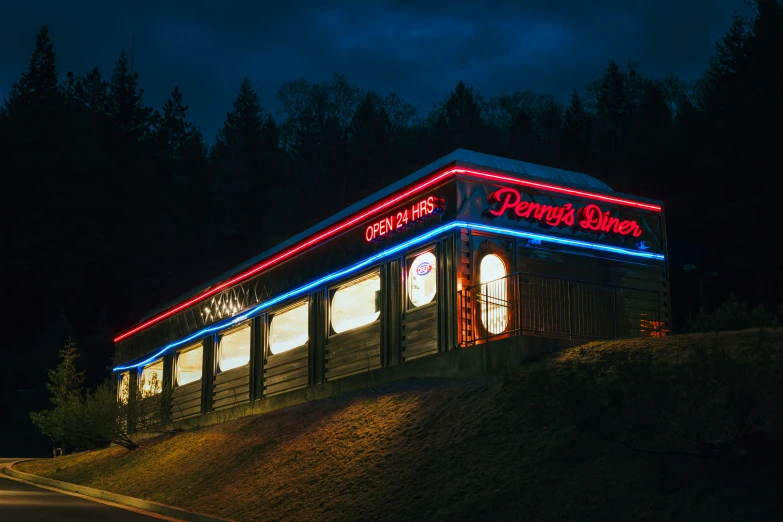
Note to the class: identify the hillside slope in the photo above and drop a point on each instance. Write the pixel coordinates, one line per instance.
(500, 448)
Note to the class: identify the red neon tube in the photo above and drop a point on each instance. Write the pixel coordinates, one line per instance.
(367, 214)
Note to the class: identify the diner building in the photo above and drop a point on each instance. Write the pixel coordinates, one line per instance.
(471, 264)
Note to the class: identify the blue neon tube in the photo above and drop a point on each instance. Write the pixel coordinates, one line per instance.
(377, 257)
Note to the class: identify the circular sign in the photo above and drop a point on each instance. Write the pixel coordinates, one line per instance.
(423, 269)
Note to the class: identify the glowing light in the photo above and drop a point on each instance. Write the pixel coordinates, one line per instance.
(289, 329)
(374, 259)
(361, 216)
(493, 299)
(591, 217)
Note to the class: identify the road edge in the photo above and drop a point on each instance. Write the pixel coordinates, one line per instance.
(124, 500)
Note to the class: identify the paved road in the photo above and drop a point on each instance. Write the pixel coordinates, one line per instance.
(20, 502)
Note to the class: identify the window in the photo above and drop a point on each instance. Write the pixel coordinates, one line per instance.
(152, 379)
(356, 303)
(234, 349)
(422, 279)
(123, 388)
(189, 363)
(493, 295)
(289, 328)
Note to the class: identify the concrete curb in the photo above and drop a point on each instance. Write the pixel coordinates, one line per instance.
(138, 503)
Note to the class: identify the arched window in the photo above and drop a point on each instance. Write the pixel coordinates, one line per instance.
(289, 329)
(234, 349)
(493, 296)
(357, 303)
(422, 279)
(189, 363)
(152, 378)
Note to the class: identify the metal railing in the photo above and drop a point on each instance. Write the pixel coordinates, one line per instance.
(533, 303)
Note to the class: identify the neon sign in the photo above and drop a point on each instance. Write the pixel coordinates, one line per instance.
(423, 269)
(590, 218)
(403, 219)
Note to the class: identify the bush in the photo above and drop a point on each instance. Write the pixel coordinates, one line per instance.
(733, 314)
(99, 419)
(709, 403)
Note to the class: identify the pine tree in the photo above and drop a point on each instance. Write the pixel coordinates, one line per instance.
(612, 97)
(523, 138)
(575, 144)
(551, 124)
(653, 127)
(38, 88)
(125, 105)
(463, 117)
(243, 128)
(91, 92)
(65, 381)
(172, 130)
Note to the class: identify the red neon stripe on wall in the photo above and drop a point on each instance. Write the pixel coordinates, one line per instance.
(364, 215)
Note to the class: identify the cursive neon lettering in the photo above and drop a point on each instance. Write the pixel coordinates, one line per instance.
(591, 217)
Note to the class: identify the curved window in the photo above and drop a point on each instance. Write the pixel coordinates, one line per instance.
(234, 349)
(356, 303)
(422, 279)
(123, 388)
(152, 378)
(493, 297)
(189, 365)
(289, 329)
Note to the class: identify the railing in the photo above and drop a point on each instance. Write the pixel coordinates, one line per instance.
(532, 303)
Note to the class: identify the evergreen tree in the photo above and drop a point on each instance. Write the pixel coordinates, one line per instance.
(172, 130)
(38, 88)
(575, 144)
(91, 92)
(522, 134)
(125, 105)
(551, 124)
(653, 128)
(243, 129)
(65, 381)
(611, 99)
(462, 113)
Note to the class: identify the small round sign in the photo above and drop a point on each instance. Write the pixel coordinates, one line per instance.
(423, 269)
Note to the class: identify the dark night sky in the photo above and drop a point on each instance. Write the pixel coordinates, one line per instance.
(421, 52)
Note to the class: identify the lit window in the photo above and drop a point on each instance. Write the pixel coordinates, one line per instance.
(234, 349)
(422, 279)
(152, 378)
(493, 296)
(289, 329)
(189, 365)
(123, 388)
(356, 303)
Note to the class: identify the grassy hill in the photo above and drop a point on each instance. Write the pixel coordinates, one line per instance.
(680, 428)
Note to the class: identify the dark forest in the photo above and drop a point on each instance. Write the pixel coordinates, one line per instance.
(113, 207)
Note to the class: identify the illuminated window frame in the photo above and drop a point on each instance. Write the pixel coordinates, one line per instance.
(493, 298)
(219, 352)
(272, 315)
(409, 259)
(376, 271)
(178, 353)
(123, 387)
(142, 381)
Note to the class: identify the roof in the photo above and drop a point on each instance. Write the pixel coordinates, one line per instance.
(459, 156)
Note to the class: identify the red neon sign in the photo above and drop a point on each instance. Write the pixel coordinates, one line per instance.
(590, 218)
(369, 212)
(402, 219)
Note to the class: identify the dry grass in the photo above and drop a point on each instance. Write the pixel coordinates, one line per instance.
(492, 449)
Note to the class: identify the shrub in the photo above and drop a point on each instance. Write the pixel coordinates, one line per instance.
(733, 314)
(708, 403)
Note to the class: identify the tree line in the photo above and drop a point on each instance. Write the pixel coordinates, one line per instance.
(113, 207)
